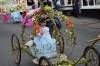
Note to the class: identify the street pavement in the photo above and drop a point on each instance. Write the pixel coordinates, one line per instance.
(5, 47)
(85, 29)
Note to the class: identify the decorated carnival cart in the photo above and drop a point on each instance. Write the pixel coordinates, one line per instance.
(51, 54)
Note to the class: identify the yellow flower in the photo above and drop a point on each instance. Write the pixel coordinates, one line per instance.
(70, 65)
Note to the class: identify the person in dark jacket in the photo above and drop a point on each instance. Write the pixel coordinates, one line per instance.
(56, 7)
(75, 7)
(30, 2)
(46, 2)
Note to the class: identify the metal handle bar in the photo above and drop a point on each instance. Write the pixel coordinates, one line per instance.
(97, 38)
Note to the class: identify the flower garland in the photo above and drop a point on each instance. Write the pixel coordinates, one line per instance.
(19, 6)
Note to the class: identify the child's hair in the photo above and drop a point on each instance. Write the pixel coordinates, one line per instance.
(42, 20)
(33, 6)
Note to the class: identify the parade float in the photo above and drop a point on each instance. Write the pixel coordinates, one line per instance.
(49, 54)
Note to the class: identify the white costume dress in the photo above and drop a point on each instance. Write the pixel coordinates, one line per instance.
(45, 45)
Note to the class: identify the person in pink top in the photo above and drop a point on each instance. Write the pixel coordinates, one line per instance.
(5, 17)
(25, 21)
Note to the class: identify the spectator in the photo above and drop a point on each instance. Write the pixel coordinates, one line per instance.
(56, 6)
(46, 2)
(75, 7)
(30, 2)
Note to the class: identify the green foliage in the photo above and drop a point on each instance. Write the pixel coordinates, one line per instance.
(1, 1)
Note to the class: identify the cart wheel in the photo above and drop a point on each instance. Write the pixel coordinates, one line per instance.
(60, 44)
(16, 49)
(92, 56)
(71, 39)
(59, 40)
(43, 61)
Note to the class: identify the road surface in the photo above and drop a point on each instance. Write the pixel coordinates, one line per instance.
(85, 29)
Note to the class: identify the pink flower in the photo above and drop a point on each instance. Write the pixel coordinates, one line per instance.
(27, 22)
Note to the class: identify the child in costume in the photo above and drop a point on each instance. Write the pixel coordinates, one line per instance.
(16, 17)
(44, 44)
(5, 17)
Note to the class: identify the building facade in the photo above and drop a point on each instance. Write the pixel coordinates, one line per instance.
(87, 7)
(84, 4)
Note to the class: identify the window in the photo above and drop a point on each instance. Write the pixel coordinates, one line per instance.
(69, 1)
(62, 2)
(91, 2)
(97, 2)
(85, 2)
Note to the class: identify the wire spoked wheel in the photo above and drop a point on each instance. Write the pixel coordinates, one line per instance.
(60, 43)
(16, 49)
(43, 61)
(59, 40)
(92, 56)
(71, 38)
